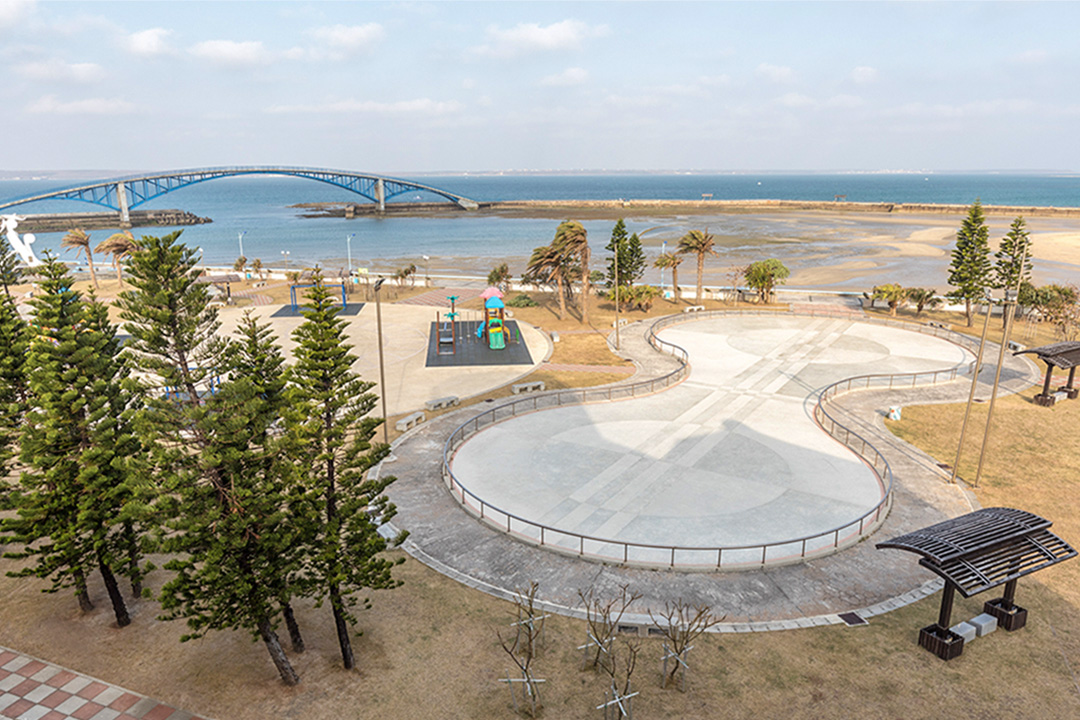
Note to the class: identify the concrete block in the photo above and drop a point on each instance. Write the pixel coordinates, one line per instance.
(984, 624)
(964, 630)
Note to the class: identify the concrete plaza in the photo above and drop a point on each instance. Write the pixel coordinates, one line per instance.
(730, 457)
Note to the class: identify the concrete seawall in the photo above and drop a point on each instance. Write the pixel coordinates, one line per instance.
(619, 207)
(62, 222)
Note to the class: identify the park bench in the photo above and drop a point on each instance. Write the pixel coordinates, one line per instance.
(694, 308)
(534, 386)
(409, 421)
(554, 336)
(443, 402)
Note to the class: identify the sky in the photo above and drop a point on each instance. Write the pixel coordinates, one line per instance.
(412, 87)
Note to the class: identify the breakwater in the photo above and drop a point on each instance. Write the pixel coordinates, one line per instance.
(62, 222)
(617, 208)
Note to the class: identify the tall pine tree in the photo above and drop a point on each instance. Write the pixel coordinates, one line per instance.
(630, 257)
(14, 338)
(969, 271)
(77, 502)
(222, 498)
(330, 428)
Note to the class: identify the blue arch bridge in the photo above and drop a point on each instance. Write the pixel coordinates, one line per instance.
(125, 193)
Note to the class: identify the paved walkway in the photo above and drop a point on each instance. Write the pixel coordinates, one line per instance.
(31, 689)
(860, 579)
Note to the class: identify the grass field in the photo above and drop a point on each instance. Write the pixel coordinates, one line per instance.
(429, 648)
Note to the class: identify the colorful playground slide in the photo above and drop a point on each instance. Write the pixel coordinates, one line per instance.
(493, 323)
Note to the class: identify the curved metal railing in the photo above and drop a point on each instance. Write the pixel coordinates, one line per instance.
(692, 557)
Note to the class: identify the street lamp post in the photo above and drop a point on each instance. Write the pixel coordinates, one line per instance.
(285, 254)
(427, 274)
(382, 371)
(663, 251)
(241, 240)
(348, 249)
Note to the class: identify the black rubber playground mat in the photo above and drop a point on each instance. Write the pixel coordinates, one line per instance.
(350, 310)
(470, 350)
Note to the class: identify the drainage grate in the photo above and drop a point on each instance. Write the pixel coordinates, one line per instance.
(852, 619)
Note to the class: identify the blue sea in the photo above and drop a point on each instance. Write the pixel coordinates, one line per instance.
(259, 208)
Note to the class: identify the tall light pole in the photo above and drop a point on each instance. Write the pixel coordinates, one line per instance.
(427, 274)
(663, 251)
(348, 249)
(617, 246)
(241, 240)
(382, 371)
(285, 254)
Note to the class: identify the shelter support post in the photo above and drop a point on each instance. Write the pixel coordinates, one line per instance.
(1010, 616)
(938, 638)
(1045, 398)
(1068, 388)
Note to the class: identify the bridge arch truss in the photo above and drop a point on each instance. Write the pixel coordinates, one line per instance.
(123, 194)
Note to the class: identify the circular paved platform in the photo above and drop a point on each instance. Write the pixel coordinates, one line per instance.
(731, 457)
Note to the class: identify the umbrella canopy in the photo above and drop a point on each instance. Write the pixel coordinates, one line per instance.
(491, 292)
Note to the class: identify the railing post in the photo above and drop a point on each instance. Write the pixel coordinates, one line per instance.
(672, 556)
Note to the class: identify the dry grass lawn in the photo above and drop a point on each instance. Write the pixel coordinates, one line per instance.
(429, 648)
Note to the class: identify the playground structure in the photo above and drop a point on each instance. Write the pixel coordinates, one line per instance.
(493, 326)
(293, 288)
(447, 332)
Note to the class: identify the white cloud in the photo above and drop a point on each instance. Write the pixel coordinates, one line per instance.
(150, 42)
(420, 106)
(527, 38)
(844, 101)
(50, 105)
(568, 77)
(232, 54)
(864, 75)
(776, 73)
(796, 100)
(12, 12)
(982, 108)
(349, 39)
(56, 70)
(714, 80)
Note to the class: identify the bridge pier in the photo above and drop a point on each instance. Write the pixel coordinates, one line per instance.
(122, 201)
(380, 194)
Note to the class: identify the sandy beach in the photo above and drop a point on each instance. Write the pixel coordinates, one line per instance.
(840, 251)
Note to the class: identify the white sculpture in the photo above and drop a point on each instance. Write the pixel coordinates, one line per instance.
(21, 245)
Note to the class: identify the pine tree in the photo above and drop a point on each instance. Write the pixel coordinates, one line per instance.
(1012, 261)
(630, 256)
(14, 338)
(77, 502)
(222, 497)
(9, 267)
(330, 428)
(969, 271)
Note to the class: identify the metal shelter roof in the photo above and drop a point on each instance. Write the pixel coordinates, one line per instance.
(986, 548)
(1062, 355)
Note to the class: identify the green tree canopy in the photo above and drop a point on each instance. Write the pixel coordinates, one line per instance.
(574, 240)
(765, 275)
(330, 429)
(628, 253)
(969, 271)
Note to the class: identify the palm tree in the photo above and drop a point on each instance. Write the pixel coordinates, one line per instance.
(671, 260)
(548, 266)
(701, 243)
(892, 294)
(572, 236)
(119, 245)
(257, 268)
(923, 298)
(80, 241)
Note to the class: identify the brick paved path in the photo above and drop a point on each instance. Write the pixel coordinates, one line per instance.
(31, 689)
